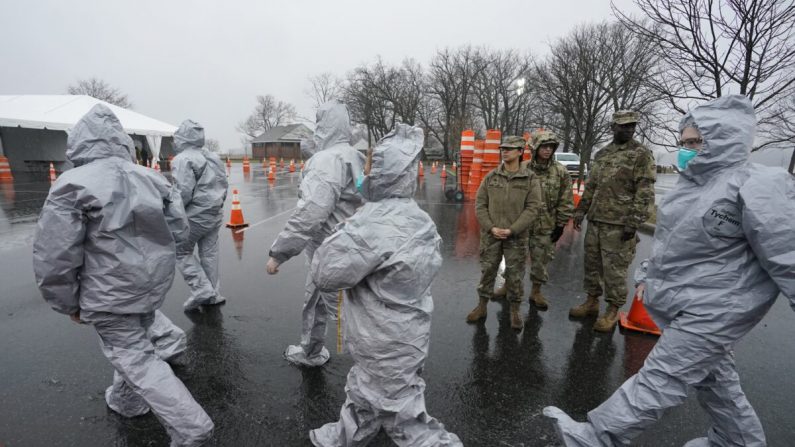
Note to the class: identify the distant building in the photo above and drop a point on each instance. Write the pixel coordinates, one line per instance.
(280, 142)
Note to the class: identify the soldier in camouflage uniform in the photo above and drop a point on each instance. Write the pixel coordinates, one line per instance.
(508, 202)
(559, 206)
(617, 200)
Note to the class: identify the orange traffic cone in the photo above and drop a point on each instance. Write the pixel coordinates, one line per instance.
(638, 319)
(246, 164)
(455, 167)
(236, 219)
(422, 170)
(444, 171)
(292, 165)
(272, 174)
(5, 171)
(52, 172)
(433, 168)
(281, 163)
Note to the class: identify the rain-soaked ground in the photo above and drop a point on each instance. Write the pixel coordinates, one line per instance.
(485, 382)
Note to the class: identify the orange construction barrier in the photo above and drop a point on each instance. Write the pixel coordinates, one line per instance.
(292, 165)
(444, 171)
(476, 170)
(638, 319)
(236, 219)
(52, 172)
(5, 170)
(491, 151)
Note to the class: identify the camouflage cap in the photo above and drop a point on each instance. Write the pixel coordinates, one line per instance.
(625, 117)
(545, 137)
(513, 142)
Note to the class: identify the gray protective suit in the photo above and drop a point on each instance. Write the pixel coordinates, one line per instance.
(723, 251)
(328, 196)
(105, 247)
(387, 254)
(201, 179)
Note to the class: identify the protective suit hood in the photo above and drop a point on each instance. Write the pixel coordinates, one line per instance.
(394, 167)
(98, 135)
(189, 135)
(333, 126)
(728, 127)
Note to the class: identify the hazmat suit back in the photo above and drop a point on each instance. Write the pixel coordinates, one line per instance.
(723, 251)
(105, 247)
(327, 196)
(387, 255)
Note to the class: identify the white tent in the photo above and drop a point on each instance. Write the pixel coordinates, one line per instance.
(61, 112)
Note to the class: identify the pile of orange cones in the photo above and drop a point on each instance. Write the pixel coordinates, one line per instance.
(236, 219)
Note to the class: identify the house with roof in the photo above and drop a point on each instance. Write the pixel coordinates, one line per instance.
(280, 142)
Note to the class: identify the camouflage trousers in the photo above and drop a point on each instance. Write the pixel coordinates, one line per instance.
(542, 251)
(607, 259)
(492, 251)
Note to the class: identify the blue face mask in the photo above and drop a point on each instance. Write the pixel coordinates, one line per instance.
(684, 156)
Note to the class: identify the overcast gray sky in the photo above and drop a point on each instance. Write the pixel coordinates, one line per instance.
(207, 60)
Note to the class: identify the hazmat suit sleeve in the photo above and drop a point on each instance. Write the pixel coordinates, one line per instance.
(532, 205)
(175, 216)
(645, 175)
(58, 252)
(565, 207)
(321, 188)
(184, 179)
(482, 205)
(343, 260)
(767, 217)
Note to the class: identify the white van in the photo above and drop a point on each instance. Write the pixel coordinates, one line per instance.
(572, 163)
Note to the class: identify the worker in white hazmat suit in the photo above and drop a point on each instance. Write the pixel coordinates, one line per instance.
(104, 253)
(328, 196)
(201, 179)
(723, 251)
(387, 255)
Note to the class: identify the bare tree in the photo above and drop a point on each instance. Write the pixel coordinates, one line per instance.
(97, 88)
(212, 145)
(499, 89)
(711, 48)
(268, 113)
(323, 88)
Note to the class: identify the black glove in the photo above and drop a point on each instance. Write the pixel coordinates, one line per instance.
(556, 234)
(628, 234)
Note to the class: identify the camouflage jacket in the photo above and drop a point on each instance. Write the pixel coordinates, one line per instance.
(620, 189)
(509, 200)
(556, 189)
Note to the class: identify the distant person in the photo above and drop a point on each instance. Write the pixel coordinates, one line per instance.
(200, 177)
(555, 213)
(328, 196)
(617, 199)
(104, 254)
(508, 202)
(386, 257)
(723, 251)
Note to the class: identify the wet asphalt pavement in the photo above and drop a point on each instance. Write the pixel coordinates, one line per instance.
(484, 382)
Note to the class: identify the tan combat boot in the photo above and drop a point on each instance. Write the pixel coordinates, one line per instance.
(516, 319)
(499, 294)
(607, 322)
(479, 312)
(589, 308)
(537, 298)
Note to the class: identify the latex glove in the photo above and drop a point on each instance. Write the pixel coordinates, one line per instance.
(556, 234)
